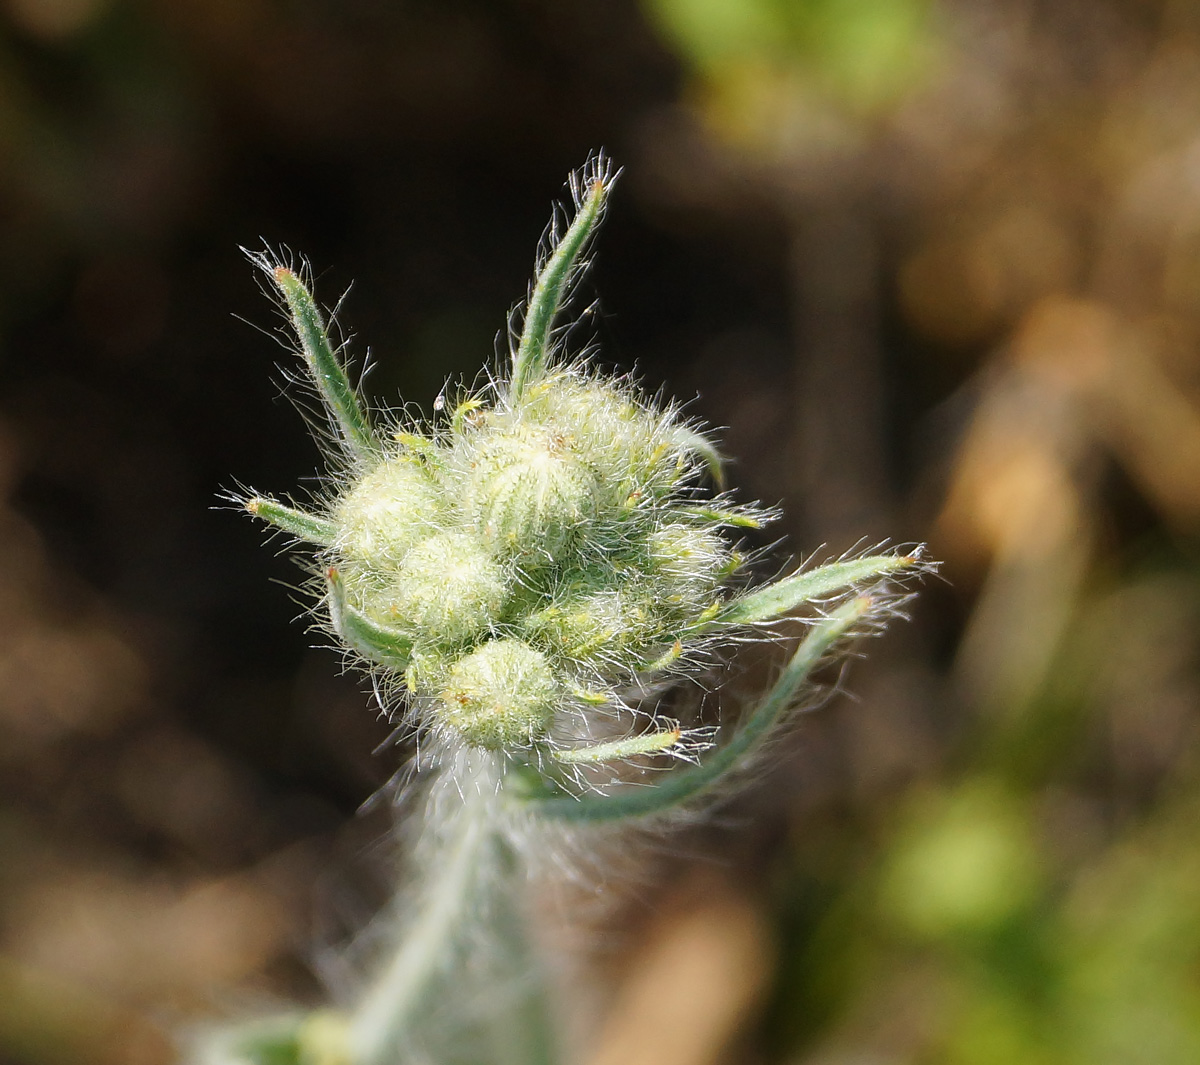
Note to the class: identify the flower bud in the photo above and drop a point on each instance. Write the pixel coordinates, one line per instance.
(501, 695)
(593, 630)
(546, 539)
(631, 448)
(386, 513)
(689, 564)
(529, 494)
(447, 590)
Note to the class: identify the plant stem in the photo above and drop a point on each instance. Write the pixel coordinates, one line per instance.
(379, 1025)
(524, 1033)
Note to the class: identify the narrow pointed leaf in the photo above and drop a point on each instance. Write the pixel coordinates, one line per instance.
(326, 370)
(685, 785)
(775, 600)
(614, 750)
(736, 518)
(668, 658)
(551, 287)
(370, 639)
(307, 527)
(704, 449)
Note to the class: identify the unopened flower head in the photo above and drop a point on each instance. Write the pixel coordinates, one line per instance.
(539, 550)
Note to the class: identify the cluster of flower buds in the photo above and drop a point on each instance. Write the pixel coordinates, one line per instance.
(543, 548)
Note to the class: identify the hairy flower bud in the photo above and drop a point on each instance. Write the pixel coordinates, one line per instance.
(631, 448)
(549, 538)
(502, 695)
(389, 511)
(611, 626)
(529, 494)
(689, 564)
(447, 590)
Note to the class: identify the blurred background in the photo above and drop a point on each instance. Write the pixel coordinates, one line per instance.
(936, 266)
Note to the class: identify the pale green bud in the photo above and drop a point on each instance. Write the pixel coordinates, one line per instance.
(448, 589)
(427, 671)
(501, 695)
(529, 494)
(596, 628)
(634, 450)
(690, 564)
(386, 513)
(548, 538)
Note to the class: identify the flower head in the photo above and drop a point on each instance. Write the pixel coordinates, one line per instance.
(539, 550)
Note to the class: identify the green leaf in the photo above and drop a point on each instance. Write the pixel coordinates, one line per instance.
(680, 786)
(554, 279)
(370, 639)
(647, 743)
(327, 372)
(736, 518)
(775, 600)
(704, 449)
(303, 526)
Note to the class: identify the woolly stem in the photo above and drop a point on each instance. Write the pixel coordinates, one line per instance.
(388, 1012)
(522, 1033)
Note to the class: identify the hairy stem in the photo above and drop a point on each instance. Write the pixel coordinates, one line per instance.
(386, 1014)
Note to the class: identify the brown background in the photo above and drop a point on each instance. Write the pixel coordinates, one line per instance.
(937, 268)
